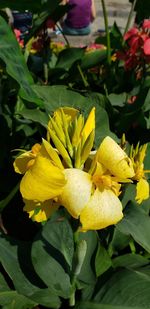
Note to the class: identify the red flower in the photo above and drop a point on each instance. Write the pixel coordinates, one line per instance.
(132, 99)
(18, 37)
(146, 47)
(132, 32)
(146, 24)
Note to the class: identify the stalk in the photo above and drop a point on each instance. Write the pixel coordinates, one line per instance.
(107, 32)
(130, 16)
(4, 203)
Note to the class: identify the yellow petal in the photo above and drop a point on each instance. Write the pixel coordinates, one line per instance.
(52, 153)
(142, 190)
(89, 125)
(40, 212)
(70, 114)
(78, 126)
(42, 181)
(115, 159)
(76, 192)
(103, 209)
(87, 147)
(21, 162)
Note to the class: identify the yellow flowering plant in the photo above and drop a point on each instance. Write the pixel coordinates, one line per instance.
(83, 195)
(65, 170)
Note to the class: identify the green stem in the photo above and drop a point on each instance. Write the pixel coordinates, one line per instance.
(107, 32)
(132, 246)
(130, 17)
(65, 38)
(10, 196)
(82, 76)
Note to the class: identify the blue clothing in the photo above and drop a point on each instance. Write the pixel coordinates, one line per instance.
(78, 31)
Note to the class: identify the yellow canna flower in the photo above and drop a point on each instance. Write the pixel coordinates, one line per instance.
(115, 159)
(88, 191)
(142, 190)
(44, 178)
(89, 125)
(96, 203)
(137, 156)
(72, 138)
(42, 181)
(76, 192)
(26, 159)
(103, 209)
(40, 212)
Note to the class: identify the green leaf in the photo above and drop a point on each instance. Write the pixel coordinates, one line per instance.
(126, 288)
(93, 59)
(102, 261)
(59, 234)
(68, 56)
(93, 305)
(137, 224)
(11, 54)
(119, 241)
(48, 260)
(130, 260)
(16, 259)
(117, 99)
(87, 274)
(12, 300)
(35, 115)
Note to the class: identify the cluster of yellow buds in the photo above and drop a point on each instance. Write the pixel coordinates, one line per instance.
(65, 170)
(57, 47)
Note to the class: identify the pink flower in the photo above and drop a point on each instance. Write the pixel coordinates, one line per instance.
(146, 47)
(146, 24)
(18, 37)
(132, 32)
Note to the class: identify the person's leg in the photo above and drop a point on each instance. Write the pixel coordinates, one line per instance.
(72, 31)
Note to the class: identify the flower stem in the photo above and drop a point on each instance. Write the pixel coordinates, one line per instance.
(5, 202)
(107, 32)
(132, 246)
(130, 17)
(82, 76)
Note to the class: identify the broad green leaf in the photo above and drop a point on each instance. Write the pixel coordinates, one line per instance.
(11, 55)
(102, 261)
(130, 260)
(118, 99)
(93, 59)
(129, 193)
(68, 56)
(12, 300)
(116, 37)
(16, 259)
(87, 274)
(48, 260)
(59, 234)
(35, 115)
(137, 224)
(126, 288)
(119, 241)
(57, 96)
(93, 305)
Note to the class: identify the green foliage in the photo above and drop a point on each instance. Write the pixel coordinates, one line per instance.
(15, 63)
(55, 265)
